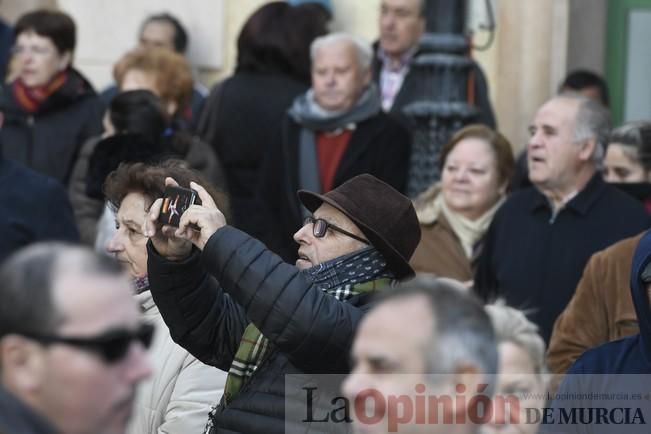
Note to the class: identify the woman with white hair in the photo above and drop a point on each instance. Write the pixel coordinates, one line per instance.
(522, 370)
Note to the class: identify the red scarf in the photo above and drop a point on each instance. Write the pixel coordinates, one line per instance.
(29, 99)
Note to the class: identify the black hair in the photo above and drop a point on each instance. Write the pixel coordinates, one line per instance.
(180, 35)
(138, 112)
(56, 25)
(582, 78)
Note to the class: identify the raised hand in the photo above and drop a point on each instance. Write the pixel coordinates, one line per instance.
(162, 236)
(199, 222)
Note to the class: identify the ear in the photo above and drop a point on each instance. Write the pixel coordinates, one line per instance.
(65, 60)
(23, 363)
(587, 149)
(367, 76)
(171, 108)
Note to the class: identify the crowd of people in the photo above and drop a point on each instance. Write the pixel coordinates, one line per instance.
(303, 290)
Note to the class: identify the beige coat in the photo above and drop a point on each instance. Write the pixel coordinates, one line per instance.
(178, 396)
(439, 252)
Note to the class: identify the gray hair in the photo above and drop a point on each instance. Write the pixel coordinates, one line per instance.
(592, 122)
(462, 329)
(28, 276)
(636, 137)
(364, 53)
(511, 325)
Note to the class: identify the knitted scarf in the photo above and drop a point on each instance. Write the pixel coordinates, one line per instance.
(312, 118)
(343, 277)
(29, 99)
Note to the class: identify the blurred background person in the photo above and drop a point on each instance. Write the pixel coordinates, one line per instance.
(476, 166)
(579, 81)
(164, 30)
(522, 371)
(243, 114)
(37, 209)
(628, 155)
(181, 390)
(588, 84)
(331, 133)
(72, 344)
(163, 72)
(136, 129)
(50, 109)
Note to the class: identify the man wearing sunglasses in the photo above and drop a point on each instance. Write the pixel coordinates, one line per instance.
(72, 347)
(269, 318)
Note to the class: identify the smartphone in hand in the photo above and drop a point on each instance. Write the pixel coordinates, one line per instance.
(175, 201)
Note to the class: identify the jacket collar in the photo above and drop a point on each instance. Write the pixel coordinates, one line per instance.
(17, 417)
(581, 203)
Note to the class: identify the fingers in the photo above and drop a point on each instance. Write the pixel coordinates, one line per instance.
(206, 199)
(149, 226)
(171, 181)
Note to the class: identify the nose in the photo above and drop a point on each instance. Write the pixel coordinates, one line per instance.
(461, 175)
(351, 385)
(301, 235)
(115, 244)
(386, 21)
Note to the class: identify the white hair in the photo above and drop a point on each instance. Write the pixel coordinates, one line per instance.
(592, 122)
(364, 53)
(511, 325)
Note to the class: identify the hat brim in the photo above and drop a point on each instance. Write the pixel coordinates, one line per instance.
(397, 263)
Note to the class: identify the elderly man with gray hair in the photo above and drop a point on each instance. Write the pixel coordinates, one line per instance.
(542, 237)
(333, 132)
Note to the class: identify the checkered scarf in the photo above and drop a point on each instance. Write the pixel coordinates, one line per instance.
(343, 277)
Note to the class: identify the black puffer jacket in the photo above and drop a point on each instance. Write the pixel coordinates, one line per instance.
(311, 332)
(49, 140)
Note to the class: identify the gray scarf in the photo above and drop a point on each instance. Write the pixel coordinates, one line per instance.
(309, 115)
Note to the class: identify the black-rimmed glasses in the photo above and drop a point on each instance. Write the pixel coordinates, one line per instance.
(320, 227)
(112, 346)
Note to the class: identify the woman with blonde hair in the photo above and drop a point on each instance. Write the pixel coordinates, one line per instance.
(454, 214)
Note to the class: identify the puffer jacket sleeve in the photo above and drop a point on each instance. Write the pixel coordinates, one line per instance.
(313, 329)
(201, 317)
(196, 389)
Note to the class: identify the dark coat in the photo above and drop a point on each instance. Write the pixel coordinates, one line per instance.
(35, 208)
(379, 146)
(49, 140)
(311, 332)
(410, 91)
(241, 120)
(17, 418)
(535, 262)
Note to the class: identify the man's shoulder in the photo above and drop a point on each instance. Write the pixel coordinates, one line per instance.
(616, 357)
(26, 181)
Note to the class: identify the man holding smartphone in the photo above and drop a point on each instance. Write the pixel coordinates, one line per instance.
(266, 318)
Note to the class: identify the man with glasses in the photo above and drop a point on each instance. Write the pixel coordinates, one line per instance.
(72, 347)
(267, 318)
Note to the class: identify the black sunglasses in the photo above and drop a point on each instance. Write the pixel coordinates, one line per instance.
(111, 346)
(320, 227)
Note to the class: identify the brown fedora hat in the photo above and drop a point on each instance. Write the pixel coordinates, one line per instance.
(384, 215)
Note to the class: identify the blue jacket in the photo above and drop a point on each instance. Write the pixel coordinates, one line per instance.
(33, 207)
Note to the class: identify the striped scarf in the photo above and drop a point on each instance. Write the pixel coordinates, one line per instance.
(343, 277)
